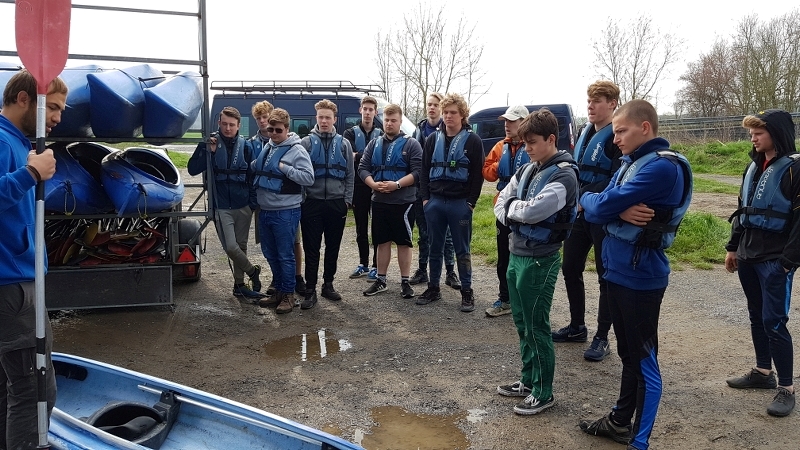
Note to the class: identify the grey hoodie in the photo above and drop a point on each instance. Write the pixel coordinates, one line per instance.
(329, 188)
(297, 167)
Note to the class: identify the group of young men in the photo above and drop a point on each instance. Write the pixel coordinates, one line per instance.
(549, 200)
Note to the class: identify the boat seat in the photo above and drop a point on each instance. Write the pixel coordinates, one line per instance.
(136, 422)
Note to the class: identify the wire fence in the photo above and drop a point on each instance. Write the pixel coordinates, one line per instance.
(706, 129)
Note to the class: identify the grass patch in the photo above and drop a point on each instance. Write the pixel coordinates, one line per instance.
(714, 187)
(180, 159)
(484, 231)
(717, 157)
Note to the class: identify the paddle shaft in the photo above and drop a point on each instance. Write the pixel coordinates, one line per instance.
(41, 316)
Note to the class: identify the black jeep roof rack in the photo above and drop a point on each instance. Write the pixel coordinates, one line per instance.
(295, 87)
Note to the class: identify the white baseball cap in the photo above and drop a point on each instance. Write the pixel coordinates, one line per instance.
(515, 113)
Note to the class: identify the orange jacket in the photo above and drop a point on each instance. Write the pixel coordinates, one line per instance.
(493, 159)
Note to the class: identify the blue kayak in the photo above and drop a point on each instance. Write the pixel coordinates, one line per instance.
(171, 107)
(104, 407)
(117, 100)
(7, 70)
(140, 181)
(75, 118)
(76, 186)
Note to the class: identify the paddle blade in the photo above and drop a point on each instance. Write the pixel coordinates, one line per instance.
(42, 34)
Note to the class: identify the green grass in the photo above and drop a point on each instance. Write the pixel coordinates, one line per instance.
(714, 187)
(716, 157)
(179, 158)
(484, 231)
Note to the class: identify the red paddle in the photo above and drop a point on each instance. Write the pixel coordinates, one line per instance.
(42, 35)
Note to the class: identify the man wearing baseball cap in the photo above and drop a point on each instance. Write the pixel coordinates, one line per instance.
(501, 164)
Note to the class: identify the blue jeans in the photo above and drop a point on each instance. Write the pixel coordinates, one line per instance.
(441, 213)
(422, 240)
(277, 230)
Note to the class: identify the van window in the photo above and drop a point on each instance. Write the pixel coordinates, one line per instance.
(350, 122)
(301, 126)
(491, 129)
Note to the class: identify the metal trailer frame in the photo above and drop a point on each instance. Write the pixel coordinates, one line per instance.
(120, 285)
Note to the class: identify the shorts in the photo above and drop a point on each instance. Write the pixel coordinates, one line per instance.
(392, 223)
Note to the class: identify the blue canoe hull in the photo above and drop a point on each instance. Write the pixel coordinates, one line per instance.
(75, 118)
(171, 107)
(76, 186)
(117, 100)
(141, 181)
(202, 421)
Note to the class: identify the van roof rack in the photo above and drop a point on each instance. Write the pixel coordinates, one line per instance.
(298, 87)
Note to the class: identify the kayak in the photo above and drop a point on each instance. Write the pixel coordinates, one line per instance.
(76, 186)
(75, 118)
(171, 107)
(140, 181)
(117, 100)
(103, 407)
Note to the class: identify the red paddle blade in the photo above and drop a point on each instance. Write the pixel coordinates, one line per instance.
(42, 34)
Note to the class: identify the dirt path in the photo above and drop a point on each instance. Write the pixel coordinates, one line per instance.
(399, 376)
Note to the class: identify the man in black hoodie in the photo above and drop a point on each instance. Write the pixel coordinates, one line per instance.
(765, 249)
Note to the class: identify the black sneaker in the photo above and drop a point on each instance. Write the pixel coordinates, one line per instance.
(300, 285)
(309, 299)
(598, 350)
(406, 290)
(420, 276)
(254, 277)
(467, 300)
(782, 404)
(330, 293)
(532, 405)
(754, 380)
(431, 294)
(242, 291)
(606, 428)
(570, 334)
(377, 287)
(452, 280)
(514, 390)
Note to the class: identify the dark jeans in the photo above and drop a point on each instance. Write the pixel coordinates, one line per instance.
(322, 217)
(768, 288)
(503, 254)
(584, 235)
(441, 213)
(422, 241)
(362, 203)
(277, 230)
(635, 318)
(18, 378)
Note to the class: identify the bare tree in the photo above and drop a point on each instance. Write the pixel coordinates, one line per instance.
(710, 81)
(635, 55)
(427, 55)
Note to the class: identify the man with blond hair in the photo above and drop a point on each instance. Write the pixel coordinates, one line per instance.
(325, 208)
(451, 182)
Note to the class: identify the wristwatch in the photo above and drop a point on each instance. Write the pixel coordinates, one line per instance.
(398, 185)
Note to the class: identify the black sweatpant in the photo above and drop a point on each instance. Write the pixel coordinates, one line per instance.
(362, 204)
(320, 217)
(503, 254)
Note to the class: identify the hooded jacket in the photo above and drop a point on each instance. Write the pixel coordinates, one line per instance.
(491, 165)
(329, 188)
(296, 167)
(756, 245)
(469, 190)
(17, 205)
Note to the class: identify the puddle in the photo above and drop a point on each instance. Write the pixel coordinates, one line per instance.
(398, 429)
(306, 347)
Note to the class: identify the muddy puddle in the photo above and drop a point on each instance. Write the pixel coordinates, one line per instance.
(398, 429)
(307, 346)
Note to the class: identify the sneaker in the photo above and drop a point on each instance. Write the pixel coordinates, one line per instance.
(242, 291)
(360, 271)
(598, 350)
(532, 405)
(406, 290)
(606, 428)
(452, 280)
(377, 287)
(499, 308)
(330, 293)
(467, 300)
(300, 285)
(287, 302)
(430, 295)
(782, 404)
(754, 380)
(514, 390)
(269, 302)
(254, 277)
(309, 299)
(420, 276)
(372, 275)
(570, 334)
(271, 288)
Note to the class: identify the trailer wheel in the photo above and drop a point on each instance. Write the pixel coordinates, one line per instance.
(187, 228)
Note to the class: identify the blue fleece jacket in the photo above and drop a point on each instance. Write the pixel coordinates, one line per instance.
(17, 207)
(659, 185)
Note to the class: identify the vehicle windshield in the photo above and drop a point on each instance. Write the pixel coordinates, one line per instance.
(407, 126)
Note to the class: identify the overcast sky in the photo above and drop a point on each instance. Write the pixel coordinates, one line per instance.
(535, 51)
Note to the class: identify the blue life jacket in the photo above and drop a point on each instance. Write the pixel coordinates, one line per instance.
(269, 176)
(393, 165)
(235, 169)
(660, 232)
(454, 165)
(508, 165)
(362, 140)
(591, 157)
(764, 205)
(558, 226)
(332, 165)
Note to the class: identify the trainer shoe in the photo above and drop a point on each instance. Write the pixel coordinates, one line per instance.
(598, 350)
(452, 280)
(300, 285)
(377, 287)
(431, 294)
(782, 404)
(287, 302)
(254, 277)
(330, 293)
(606, 428)
(309, 299)
(514, 390)
(373, 274)
(406, 290)
(532, 405)
(420, 276)
(570, 334)
(467, 300)
(754, 380)
(360, 271)
(242, 291)
(499, 308)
